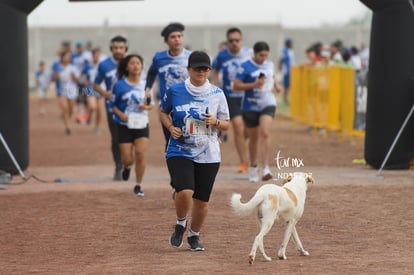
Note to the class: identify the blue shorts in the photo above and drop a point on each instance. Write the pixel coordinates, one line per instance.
(89, 91)
(286, 81)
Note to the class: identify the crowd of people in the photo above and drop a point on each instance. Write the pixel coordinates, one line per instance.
(197, 98)
(320, 55)
(73, 73)
(337, 53)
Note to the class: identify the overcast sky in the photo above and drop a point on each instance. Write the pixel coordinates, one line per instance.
(289, 13)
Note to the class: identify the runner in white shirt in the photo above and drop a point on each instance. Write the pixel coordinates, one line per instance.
(43, 79)
(69, 77)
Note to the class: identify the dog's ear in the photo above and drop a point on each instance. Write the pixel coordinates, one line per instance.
(309, 178)
(287, 179)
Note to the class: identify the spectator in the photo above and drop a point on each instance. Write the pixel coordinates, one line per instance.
(287, 59)
(355, 59)
(312, 59)
(364, 55)
(336, 56)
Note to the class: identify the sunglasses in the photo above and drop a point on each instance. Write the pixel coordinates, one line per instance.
(233, 40)
(202, 69)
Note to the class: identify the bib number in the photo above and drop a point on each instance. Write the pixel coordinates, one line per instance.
(196, 127)
(268, 85)
(137, 121)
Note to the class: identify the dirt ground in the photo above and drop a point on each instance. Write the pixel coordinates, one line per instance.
(354, 222)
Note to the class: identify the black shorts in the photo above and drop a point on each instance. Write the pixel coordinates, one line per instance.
(126, 135)
(251, 119)
(234, 104)
(187, 174)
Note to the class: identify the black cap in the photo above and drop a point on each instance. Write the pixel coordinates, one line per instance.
(172, 27)
(199, 59)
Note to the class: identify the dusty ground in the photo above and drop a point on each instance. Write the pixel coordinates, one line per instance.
(354, 222)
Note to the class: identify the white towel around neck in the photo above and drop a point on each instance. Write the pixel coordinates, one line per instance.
(197, 90)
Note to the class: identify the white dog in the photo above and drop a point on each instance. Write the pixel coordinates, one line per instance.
(271, 202)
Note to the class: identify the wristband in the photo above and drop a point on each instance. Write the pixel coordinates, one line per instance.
(217, 123)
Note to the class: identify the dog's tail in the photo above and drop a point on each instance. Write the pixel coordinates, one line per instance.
(247, 208)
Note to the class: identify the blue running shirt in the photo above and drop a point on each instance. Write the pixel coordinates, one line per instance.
(198, 143)
(127, 97)
(257, 99)
(107, 72)
(90, 73)
(169, 69)
(229, 65)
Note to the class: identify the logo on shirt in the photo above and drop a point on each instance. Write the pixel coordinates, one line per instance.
(173, 73)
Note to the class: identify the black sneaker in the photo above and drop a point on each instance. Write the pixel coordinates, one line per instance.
(125, 173)
(195, 245)
(176, 239)
(138, 191)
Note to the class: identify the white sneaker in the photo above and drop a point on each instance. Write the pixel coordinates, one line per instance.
(253, 174)
(267, 174)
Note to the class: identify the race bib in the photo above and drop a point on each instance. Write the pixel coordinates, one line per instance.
(196, 127)
(268, 85)
(137, 121)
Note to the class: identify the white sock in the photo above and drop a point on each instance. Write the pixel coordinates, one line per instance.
(193, 233)
(182, 221)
